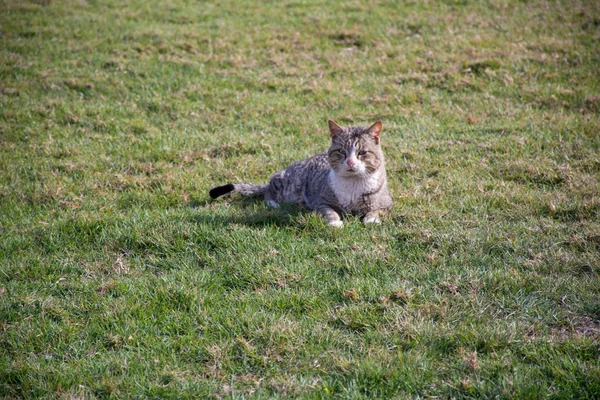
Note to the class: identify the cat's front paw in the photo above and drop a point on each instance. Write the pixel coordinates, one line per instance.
(336, 224)
(272, 204)
(371, 220)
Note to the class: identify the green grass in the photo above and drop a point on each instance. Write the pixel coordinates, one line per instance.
(120, 279)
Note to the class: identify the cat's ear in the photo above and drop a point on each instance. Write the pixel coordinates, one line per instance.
(335, 129)
(375, 131)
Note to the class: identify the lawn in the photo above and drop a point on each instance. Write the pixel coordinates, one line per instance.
(120, 278)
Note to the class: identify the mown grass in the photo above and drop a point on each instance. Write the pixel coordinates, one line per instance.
(119, 278)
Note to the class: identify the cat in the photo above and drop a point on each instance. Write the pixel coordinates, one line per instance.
(349, 179)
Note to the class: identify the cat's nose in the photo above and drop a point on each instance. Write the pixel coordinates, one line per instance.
(350, 163)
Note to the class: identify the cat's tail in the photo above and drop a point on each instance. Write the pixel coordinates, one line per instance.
(241, 188)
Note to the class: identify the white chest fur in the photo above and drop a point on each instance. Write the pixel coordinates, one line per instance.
(349, 190)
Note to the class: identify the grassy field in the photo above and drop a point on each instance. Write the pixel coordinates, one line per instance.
(120, 279)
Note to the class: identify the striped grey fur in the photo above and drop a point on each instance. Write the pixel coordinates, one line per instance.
(349, 179)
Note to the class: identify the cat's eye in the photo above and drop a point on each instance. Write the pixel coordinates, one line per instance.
(362, 153)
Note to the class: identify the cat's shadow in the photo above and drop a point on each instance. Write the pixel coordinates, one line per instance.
(283, 216)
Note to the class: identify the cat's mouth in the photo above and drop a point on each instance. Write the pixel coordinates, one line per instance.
(352, 172)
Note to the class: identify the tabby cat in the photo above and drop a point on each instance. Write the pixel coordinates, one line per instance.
(349, 179)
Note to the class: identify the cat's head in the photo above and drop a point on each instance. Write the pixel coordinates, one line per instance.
(355, 151)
